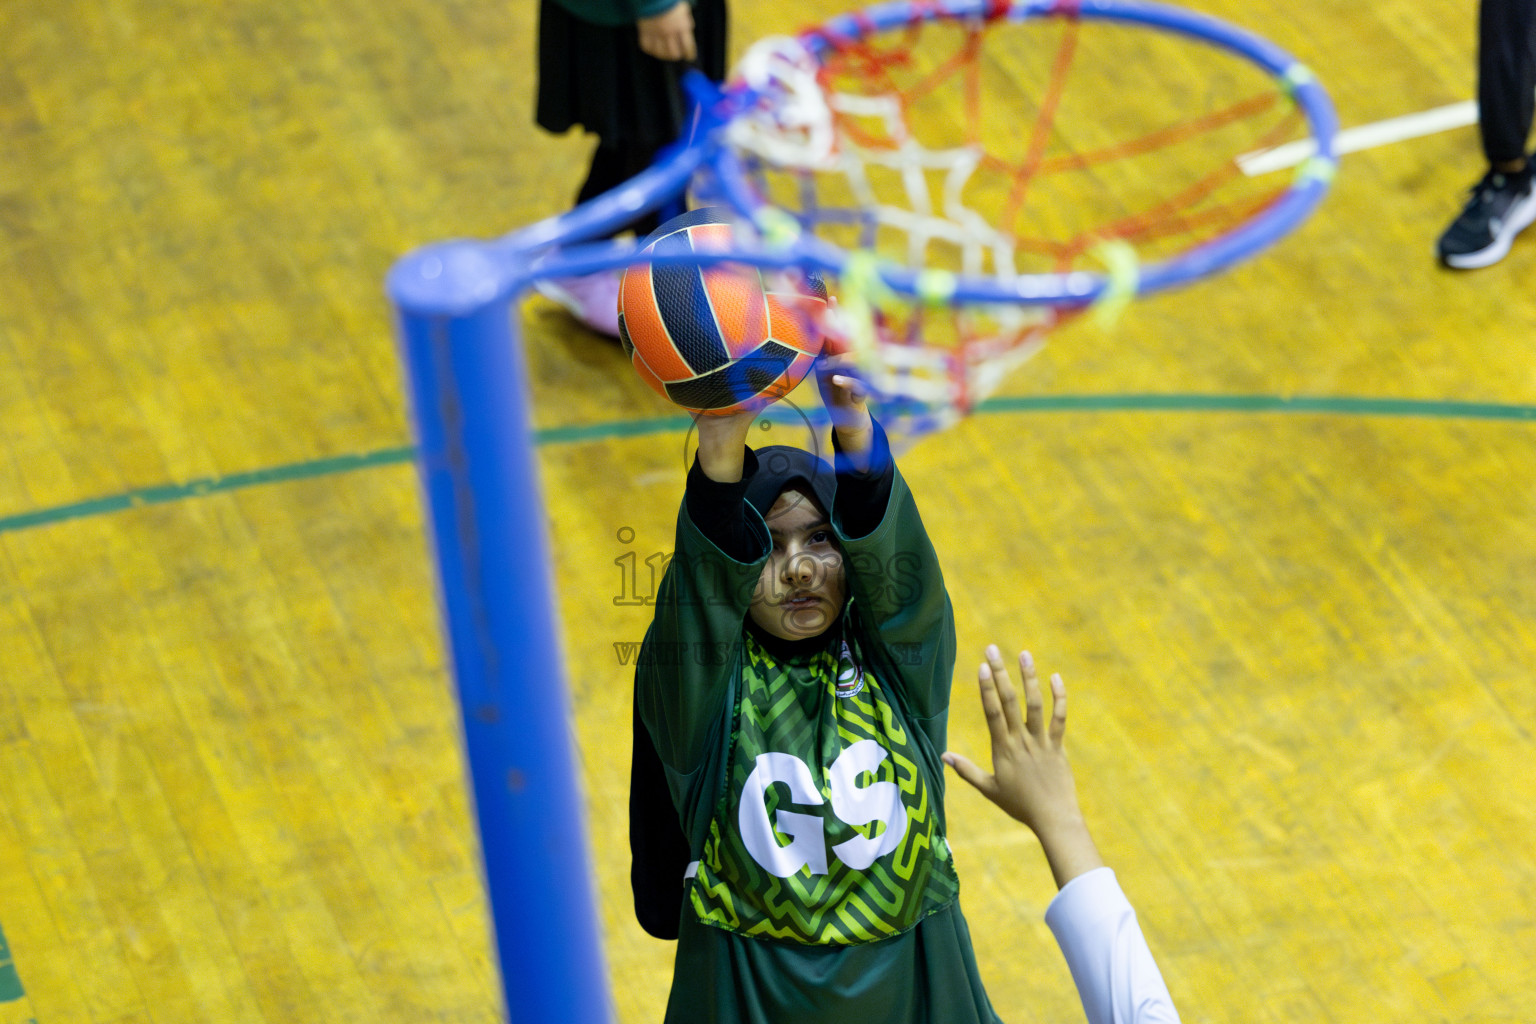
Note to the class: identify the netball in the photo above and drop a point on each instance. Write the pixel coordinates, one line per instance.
(716, 338)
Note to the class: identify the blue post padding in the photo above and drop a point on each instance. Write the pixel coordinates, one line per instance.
(488, 525)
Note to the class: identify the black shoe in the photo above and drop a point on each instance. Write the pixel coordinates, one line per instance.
(1502, 206)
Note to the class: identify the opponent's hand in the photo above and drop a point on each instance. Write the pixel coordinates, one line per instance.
(669, 35)
(722, 444)
(1031, 779)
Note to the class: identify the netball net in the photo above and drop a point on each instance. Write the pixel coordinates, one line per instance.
(1049, 154)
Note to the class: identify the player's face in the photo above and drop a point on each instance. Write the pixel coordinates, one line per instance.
(802, 587)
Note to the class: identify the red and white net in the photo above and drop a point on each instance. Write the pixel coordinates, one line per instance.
(1019, 152)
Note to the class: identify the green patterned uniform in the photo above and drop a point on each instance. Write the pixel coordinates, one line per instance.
(812, 790)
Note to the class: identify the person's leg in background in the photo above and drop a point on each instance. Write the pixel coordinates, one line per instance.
(1503, 202)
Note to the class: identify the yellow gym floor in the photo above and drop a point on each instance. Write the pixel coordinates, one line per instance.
(1298, 637)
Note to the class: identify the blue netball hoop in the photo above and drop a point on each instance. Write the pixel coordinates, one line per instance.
(457, 316)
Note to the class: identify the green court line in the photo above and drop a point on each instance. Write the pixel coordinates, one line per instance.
(206, 485)
(581, 432)
(586, 432)
(10, 981)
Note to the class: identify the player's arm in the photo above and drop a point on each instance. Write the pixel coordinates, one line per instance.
(894, 572)
(1116, 977)
(723, 449)
(693, 646)
(853, 428)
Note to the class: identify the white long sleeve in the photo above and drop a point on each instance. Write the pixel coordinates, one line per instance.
(1116, 977)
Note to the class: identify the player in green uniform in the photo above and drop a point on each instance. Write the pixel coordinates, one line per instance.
(795, 685)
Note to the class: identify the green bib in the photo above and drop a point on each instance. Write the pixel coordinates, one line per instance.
(828, 830)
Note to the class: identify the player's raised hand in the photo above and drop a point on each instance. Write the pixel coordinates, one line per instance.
(722, 443)
(846, 398)
(669, 35)
(1030, 778)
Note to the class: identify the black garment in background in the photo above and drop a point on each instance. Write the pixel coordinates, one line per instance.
(613, 166)
(597, 77)
(1506, 76)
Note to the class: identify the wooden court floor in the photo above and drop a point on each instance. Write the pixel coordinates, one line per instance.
(1299, 641)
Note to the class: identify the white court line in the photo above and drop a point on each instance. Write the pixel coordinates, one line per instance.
(1366, 136)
